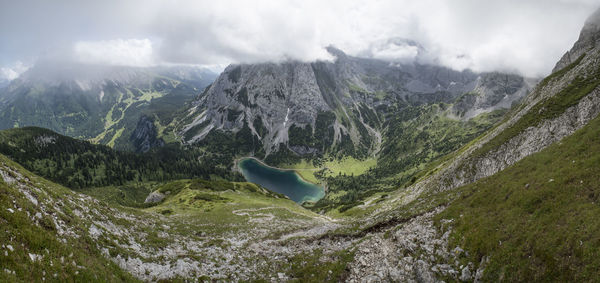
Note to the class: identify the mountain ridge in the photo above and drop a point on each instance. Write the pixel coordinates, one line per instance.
(272, 99)
(588, 39)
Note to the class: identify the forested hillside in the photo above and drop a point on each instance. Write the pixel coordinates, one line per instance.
(77, 164)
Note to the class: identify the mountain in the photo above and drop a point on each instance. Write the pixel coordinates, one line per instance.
(99, 103)
(560, 104)
(325, 107)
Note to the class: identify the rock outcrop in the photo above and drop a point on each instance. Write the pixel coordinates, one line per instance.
(412, 252)
(154, 197)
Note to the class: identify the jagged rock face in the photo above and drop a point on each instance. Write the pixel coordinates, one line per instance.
(277, 93)
(289, 103)
(145, 135)
(589, 38)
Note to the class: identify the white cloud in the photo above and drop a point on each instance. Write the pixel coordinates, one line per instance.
(238, 31)
(8, 74)
(396, 50)
(511, 35)
(126, 52)
(528, 36)
(12, 72)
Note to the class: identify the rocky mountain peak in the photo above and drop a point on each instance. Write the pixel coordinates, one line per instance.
(335, 51)
(589, 38)
(329, 104)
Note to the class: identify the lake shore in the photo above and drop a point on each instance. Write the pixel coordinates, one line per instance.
(298, 177)
(237, 161)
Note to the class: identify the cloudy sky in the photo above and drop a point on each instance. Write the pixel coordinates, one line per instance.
(525, 36)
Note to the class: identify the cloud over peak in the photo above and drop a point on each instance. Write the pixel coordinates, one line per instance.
(526, 36)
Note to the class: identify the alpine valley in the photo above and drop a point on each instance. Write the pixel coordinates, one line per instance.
(414, 172)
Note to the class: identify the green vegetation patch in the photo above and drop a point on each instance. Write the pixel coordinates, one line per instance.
(310, 267)
(222, 212)
(349, 166)
(305, 168)
(130, 195)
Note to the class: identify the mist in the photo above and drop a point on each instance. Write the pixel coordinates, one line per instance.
(525, 37)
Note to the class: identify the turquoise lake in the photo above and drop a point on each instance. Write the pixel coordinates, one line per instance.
(285, 182)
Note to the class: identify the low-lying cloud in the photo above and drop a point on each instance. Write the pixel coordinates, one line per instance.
(526, 36)
(13, 71)
(130, 52)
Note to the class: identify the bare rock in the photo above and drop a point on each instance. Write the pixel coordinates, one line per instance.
(154, 197)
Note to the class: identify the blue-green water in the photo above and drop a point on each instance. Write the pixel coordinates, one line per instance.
(285, 182)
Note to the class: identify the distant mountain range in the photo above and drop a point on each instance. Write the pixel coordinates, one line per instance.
(100, 103)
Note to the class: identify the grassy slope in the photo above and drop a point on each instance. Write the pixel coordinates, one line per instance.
(222, 205)
(538, 219)
(425, 138)
(77, 259)
(200, 211)
(219, 203)
(222, 209)
(131, 195)
(349, 166)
